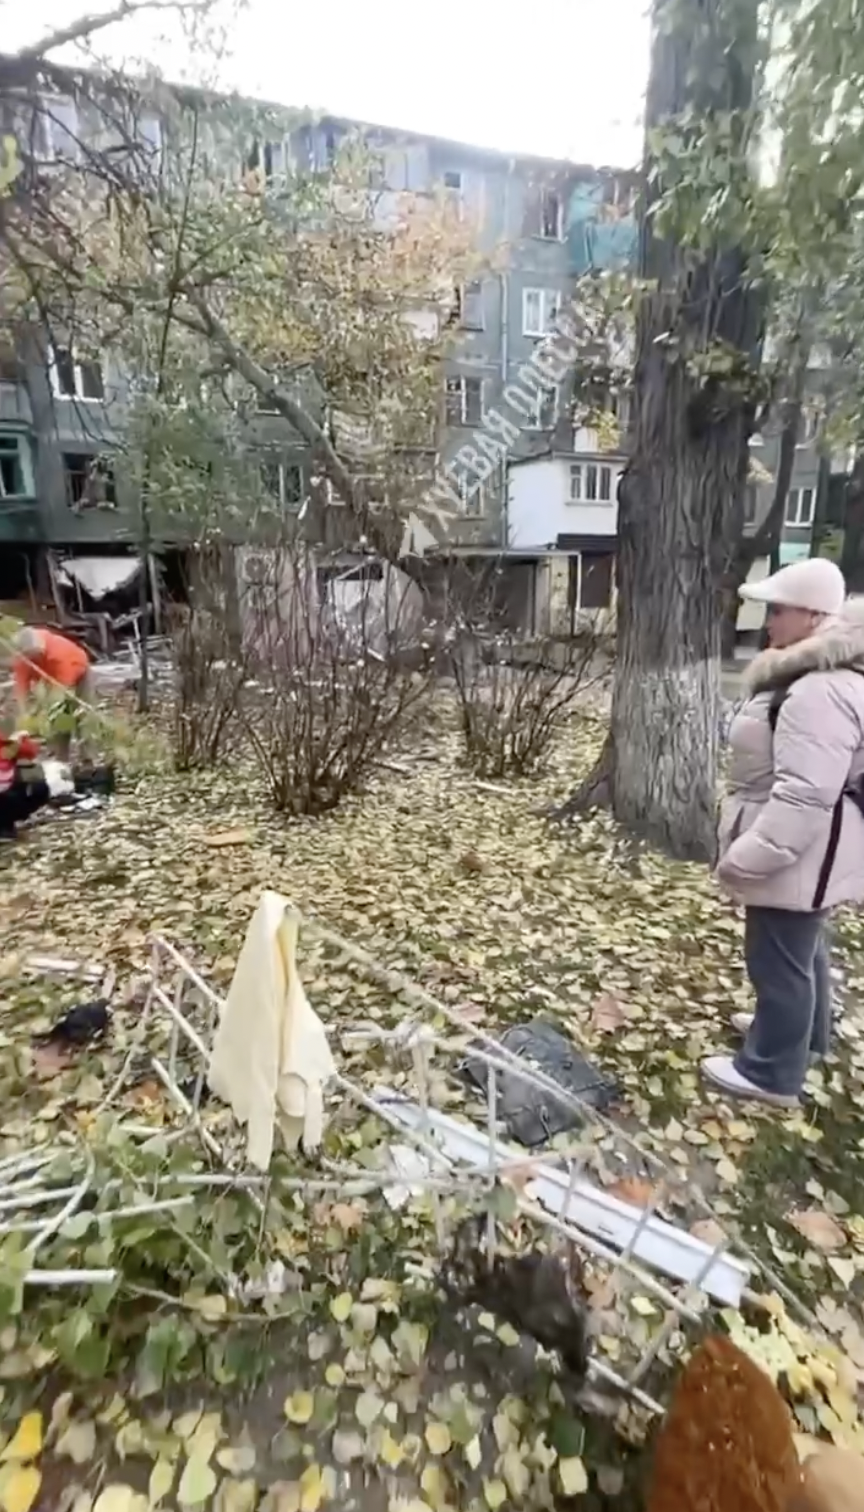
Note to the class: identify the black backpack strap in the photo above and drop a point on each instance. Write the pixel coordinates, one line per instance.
(778, 698)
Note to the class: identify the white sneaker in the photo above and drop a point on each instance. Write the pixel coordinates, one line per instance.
(741, 1022)
(720, 1071)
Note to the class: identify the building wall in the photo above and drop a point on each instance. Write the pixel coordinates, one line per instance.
(540, 509)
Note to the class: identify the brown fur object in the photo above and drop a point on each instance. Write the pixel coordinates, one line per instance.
(726, 1444)
(833, 1481)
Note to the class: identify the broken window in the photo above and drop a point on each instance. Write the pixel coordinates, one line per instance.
(71, 379)
(13, 480)
(90, 482)
(545, 403)
(544, 213)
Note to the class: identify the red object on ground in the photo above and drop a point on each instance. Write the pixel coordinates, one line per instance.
(726, 1444)
(61, 660)
(14, 749)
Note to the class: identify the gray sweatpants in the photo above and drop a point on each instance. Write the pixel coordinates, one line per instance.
(789, 966)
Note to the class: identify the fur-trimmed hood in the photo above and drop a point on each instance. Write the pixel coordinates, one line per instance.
(838, 643)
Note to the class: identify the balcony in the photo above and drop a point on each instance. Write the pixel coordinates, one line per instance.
(15, 404)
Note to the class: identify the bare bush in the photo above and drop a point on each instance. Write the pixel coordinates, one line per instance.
(342, 667)
(516, 693)
(209, 672)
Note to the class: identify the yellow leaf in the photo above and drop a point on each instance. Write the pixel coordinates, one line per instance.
(334, 1375)
(434, 1485)
(473, 1453)
(643, 1307)
(389, 1450)
(299, 1407)
(508, 1335)
(161, 1481)
(311, 1489)
(20, 1488)
(213, 1308)
(574, 1477)
(843, 1269)
(27, 1440)
(495, 1493)
(438, 1438)
(236, 1496)
(115, 1498)
(340, 1307)
(187, 1423)
(237, 1461)
(78, 1442)
(197, 1483)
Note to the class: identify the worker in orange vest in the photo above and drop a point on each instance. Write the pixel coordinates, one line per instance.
(45, 656)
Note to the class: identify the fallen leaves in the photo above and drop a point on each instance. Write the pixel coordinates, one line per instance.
(26, 1442)
(609, 1013)
(299, 1407)
(197, 1482)
(500, 917)
(19, 1487)
(818, 1228)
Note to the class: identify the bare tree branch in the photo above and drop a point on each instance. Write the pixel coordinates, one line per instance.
(85, 26)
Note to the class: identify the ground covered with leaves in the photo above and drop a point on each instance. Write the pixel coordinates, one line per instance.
(344, 1381)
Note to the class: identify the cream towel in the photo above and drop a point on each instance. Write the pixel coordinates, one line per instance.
(270, 1055)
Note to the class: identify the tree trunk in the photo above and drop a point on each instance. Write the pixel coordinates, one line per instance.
(744, 550)
(688, 471)
(852, 559)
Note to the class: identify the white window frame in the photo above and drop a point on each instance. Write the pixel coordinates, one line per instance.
(54, 377)
(796, 512)
(476, 286)
(472, 492)
(549, 302)
(619, 404)
(580, 476)
(809, 426)
(50, 134)
(288, 506)
(535, 419)
(449, 388)
(455, 194)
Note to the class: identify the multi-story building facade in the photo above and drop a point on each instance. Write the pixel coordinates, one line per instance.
(548, 505)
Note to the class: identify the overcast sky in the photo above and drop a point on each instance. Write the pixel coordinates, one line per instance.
(564, 80)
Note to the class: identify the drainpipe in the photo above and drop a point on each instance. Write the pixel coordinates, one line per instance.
(505, 355)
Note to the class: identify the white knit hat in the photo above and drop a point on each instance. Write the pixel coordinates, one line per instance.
(815, 584)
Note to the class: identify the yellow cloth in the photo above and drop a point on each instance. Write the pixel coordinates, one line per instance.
(270, 1055)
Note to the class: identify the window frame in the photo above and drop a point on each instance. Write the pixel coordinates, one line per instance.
(49, 131)
(19, 448)
(93, 461)
(462, 380)
(535, 419)
(78, 397)
(287, 505)
(544, 295)
(603, 472)
(472, 492)
(548, 192)
(798, 495)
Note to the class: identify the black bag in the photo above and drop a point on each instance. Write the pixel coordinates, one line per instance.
(855, 791)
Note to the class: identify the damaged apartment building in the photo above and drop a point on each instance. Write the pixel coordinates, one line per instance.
(547, 512)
